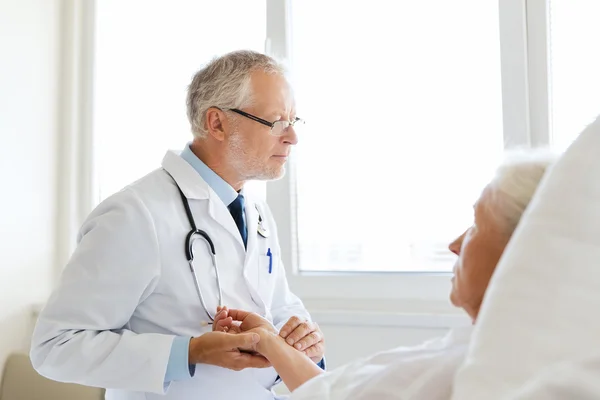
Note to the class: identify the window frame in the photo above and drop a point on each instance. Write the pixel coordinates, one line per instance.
(526, 119)
(523, 26)
(76, 178)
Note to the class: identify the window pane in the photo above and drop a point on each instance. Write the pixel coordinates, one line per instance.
(404, 126)
(146, 54)
(575, 66)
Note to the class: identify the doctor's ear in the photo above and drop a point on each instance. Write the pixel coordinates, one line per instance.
(216, 123)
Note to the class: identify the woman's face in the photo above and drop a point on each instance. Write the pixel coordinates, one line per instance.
(478, 249)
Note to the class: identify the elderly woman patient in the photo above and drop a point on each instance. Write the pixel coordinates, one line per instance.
(426, 371)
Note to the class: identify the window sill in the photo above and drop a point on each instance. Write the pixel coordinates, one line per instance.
(389, 319)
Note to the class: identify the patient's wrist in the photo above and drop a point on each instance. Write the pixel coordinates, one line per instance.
(269, 341)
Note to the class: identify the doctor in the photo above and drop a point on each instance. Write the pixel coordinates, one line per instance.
(134, 307)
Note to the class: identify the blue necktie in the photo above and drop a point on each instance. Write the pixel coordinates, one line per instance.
(236, 208)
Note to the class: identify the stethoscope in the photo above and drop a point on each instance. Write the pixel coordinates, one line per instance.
(195, 234)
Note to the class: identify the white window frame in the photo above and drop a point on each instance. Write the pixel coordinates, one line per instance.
(526, 121)
(74, 145)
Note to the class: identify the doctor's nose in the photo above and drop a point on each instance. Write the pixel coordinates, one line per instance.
(290, 136)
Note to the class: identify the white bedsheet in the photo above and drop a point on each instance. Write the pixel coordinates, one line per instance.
(422, 372)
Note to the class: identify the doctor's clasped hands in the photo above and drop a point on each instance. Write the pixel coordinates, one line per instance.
(228, 351)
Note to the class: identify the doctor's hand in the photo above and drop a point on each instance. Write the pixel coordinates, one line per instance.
(305, 336)
(227, 350)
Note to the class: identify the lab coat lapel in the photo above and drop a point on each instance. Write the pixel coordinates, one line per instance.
(220, 213)
(251, 265)
(195, 188)
(252, 223)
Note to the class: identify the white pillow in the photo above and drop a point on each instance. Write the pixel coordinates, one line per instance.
(542, 307)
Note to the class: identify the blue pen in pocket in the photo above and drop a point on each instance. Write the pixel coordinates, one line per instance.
(270, 255)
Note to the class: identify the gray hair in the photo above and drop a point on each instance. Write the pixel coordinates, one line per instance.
(225, 83)
(514, 185)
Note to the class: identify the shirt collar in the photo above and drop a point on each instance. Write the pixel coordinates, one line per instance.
(226, 193)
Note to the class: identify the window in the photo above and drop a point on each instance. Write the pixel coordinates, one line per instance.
(403, 106)
(409, 106)
(146, 54)
(575, 81)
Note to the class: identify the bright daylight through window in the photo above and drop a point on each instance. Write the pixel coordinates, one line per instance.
(575, 62)
(402, 101)
(404, 126)
(146, 54)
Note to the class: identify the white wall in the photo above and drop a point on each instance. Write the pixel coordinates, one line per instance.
(346, 342)
(358, 328)
(28, 94)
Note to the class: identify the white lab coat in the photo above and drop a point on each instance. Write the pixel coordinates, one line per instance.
(423, 372)
(128, 290)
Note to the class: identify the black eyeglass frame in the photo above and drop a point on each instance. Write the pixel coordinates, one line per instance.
(264, 121)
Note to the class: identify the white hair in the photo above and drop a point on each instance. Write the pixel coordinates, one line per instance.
(514, 185)
(225, 83)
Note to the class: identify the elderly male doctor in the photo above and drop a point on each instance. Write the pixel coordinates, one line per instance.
(131, 314)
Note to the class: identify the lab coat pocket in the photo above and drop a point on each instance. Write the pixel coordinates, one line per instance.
(267, 269)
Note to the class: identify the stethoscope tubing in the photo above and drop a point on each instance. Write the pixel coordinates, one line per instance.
(189, 253)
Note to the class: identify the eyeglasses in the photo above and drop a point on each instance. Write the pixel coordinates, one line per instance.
(278, 127)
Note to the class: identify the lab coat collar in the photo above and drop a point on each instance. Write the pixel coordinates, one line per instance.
(189, 181)
(225, 192)
(194, 187)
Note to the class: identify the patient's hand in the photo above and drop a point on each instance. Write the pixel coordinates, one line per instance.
(269, 340)
(224, 323)
(237, 321)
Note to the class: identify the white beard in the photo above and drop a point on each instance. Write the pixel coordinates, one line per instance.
(247, 166)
